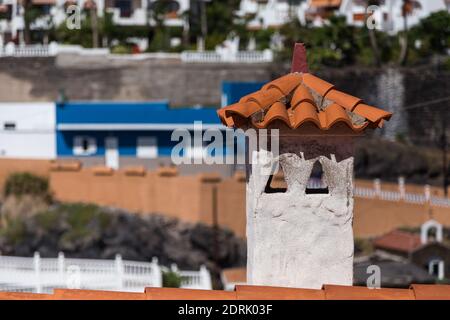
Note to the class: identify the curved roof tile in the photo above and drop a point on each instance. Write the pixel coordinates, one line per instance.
(301, 94)
(297, 99)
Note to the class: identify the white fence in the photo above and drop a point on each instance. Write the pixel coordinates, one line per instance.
(217, 57)
(401, 195)
(53, 49)
(42, 275)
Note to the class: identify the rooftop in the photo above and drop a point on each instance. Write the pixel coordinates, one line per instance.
(301, 99)
(244, 292)
(398, 241)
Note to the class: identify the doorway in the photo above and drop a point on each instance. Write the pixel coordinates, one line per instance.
(112, 152)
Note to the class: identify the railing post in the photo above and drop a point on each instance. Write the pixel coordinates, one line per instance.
(119, 270)
(53, 48)
(10, 49)
(377, 187)
(156, 273)
(401, 187)
(37, 271)
(174, 268)
(205, 278)
(61, 266)
(427, 191)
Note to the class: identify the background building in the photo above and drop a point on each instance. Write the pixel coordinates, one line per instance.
(27, 130)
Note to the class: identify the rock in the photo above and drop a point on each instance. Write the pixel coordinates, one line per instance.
(135, 237)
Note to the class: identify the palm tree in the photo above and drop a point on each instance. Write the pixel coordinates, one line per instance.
(408, 8)
(27, 4)
(92, 7)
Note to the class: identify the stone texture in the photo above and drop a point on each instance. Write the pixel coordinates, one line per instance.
(297, 239)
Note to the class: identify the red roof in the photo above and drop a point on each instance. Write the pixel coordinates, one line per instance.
(301, 99)
(328, 292)
(398, 241)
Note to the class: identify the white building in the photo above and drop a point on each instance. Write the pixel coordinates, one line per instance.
(27, 130)
(388, 16)
(54, 12)
(269, 13)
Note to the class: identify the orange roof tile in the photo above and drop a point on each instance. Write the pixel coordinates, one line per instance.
(245, 292)
(72, 294)
(333, 292)
(431, 292)
(325, 3)
(399, 241)
(188, 294)
(277, 293)
(23, 296)
(300, 98)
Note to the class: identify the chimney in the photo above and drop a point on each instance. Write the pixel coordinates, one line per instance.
(299, 234)
(299, 60)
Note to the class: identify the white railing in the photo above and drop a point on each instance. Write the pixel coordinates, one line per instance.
(401, 195)
(54, 49)
(42, 275)
(35, 50)
(226, 57)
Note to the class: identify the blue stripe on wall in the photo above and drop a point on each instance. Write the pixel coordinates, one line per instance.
(131, 113)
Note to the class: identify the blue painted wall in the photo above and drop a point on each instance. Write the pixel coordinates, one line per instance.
(234, 91)
(131, 113)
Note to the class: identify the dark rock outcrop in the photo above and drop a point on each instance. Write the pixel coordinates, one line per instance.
(87, 231)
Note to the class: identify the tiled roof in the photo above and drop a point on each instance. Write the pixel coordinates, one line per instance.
(298, 99)
(328, 292)
(325, 3)
(399, 241)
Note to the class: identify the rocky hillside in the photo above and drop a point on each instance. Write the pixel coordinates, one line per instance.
(387, 160)
(88, 231)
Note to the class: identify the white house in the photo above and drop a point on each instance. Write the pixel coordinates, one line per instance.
(388, 16)
(27, 130)
(269, 13)
(54, 12)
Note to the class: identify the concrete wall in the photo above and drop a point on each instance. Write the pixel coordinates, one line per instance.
(34, 134)
(100, 78)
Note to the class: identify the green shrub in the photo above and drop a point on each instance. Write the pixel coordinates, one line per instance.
(171, 280)
(14, 230)
(121, 49)
(19, 184)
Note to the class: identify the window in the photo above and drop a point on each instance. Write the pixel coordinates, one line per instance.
(84, 146)
(125, 7)
(436, 268)
(276, 184)
(147, 148)
(9, 126)
(316, 183)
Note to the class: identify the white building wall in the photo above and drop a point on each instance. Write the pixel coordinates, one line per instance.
(393, 10)
(33, 136)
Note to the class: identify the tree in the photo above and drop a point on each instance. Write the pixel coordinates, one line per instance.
(408, 7)
(92, 7)
(31, 13)
(434, 32)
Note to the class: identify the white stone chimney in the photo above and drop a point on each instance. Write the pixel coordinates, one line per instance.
(300, 234)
